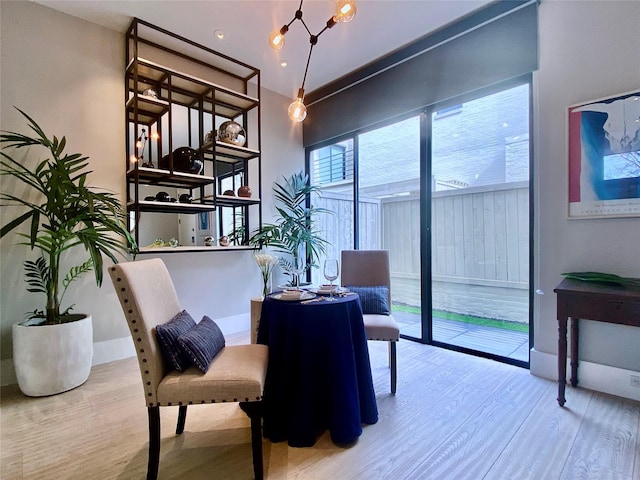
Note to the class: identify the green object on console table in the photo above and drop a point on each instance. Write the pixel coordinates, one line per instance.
(598, 277)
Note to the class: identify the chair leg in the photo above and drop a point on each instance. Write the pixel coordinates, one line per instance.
(254, 411)
(394, 366)
(154, 442)
(182, 417)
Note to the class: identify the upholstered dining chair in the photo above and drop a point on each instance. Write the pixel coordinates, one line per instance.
(367, 271)
(236, 373)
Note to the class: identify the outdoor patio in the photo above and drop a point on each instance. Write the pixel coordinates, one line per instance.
(498, 341)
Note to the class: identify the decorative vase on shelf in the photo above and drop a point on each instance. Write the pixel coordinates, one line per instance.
(244, 191)
(185, 159)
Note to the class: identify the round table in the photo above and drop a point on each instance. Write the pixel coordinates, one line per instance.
(319, 375)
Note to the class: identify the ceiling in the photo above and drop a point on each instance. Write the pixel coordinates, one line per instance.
(379, 27)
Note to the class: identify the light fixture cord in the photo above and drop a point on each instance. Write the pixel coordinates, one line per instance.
(306, 69)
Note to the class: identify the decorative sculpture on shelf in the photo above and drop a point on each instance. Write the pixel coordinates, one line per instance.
(185, 159)
(244, 191)
(141, 143)
(233, 133)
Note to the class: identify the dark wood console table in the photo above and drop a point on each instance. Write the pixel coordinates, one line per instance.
(589, 301)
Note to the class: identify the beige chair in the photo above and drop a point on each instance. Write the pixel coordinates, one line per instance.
(236, 374)
(366, 268)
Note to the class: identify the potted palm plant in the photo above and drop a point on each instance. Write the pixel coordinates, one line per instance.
(294, 231)
(52, 350)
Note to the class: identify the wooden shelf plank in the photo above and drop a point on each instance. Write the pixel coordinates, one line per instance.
(170, 207)
(159, 176)
(186, 249)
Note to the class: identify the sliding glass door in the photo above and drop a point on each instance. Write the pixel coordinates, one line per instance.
(446, 191)
(480, 224)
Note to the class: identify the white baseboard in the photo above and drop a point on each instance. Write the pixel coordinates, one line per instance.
(119, 348)
(594, 376)
(111, 350)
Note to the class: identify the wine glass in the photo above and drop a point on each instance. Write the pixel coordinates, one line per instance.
(298, 266)
(331, 272)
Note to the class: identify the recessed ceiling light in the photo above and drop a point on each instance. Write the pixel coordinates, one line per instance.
(283, 63)
(219, 34)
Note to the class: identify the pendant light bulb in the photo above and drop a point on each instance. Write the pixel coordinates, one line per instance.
(345, 10)
(297, 111)
(276, 39)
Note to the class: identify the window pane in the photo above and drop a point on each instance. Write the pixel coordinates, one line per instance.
(389, 211)
(332, 171)
(480, 224)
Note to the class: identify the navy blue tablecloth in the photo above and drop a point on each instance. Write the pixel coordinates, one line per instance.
(319, 375)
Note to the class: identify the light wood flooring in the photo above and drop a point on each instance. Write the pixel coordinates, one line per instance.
(454, 417)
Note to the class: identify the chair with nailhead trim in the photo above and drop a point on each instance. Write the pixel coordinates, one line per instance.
(369, 268)
(236, 374)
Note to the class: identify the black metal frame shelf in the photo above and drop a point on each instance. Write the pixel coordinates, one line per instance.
(212, 87)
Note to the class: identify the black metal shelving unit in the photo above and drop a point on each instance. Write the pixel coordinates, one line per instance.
(194, 86)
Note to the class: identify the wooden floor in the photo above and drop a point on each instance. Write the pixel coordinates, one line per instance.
(454, 417)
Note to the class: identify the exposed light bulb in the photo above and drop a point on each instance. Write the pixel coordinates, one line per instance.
(345, 10)
(155, 135)
(139, 144)
(276, 39)
(297, 111)
(133, 159)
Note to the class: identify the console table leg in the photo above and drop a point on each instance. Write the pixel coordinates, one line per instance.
(574, 351)
(562, 359)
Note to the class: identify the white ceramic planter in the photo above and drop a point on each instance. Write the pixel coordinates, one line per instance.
(52, 359)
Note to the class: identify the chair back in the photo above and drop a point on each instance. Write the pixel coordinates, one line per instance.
(366, 268)
(148, 298)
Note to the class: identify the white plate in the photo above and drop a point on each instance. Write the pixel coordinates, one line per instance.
(328, 291)
(304, 296)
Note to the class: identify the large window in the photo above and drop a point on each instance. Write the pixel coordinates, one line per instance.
(331, 167)
(332, 164)
(459, 242)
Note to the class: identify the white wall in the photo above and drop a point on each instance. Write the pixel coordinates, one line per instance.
(68, 75)
(588, 50)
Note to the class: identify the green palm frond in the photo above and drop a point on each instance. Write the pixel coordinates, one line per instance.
(295, 224)
(63, 212)
(38, 274)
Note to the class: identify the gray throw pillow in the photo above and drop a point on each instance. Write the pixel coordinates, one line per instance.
(168, 334)
(374, 300)
(202, 343)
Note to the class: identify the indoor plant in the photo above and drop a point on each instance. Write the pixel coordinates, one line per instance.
(61, 212)
(294, 231)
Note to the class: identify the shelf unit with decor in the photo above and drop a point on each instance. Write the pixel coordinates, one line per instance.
(177, 93)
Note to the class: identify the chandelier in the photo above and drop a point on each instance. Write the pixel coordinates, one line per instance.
(344, 12)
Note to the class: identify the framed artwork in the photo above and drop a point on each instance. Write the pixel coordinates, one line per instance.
(203, 220)
(604, 157)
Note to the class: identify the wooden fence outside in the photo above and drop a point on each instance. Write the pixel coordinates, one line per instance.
(480, 246)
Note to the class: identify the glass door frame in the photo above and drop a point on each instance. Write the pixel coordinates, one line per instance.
(426, 216)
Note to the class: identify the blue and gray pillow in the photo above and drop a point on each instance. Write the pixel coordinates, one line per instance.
(168, 334)
(374, 299)
(183, 342)
(202, 343)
